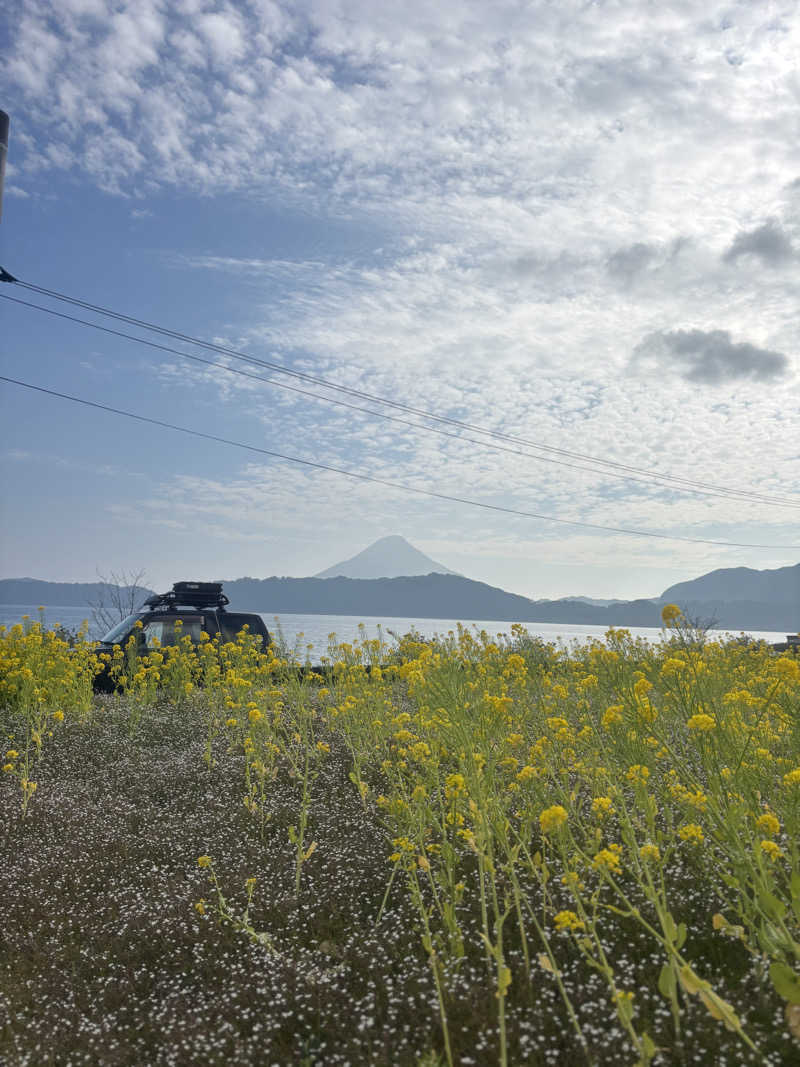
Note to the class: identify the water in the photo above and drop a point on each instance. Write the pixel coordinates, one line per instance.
(304, 630)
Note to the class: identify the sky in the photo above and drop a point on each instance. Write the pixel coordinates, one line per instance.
(573, 224)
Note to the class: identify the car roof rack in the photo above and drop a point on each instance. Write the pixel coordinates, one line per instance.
(190, 595)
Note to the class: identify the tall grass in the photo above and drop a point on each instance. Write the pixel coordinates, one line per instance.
(592, 854)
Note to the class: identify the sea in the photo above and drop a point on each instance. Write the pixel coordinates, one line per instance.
(301, 631)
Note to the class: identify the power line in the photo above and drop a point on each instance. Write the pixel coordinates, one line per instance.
(384, 481)
(728, 494)
(674, 480)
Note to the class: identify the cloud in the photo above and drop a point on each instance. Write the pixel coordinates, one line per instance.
(768, 242)
(505, 201)
(627, 263)
(709, 357)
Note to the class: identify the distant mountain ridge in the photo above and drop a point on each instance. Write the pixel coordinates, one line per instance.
(59, 594)
(388, 557)
(450, 596)
(731, 584)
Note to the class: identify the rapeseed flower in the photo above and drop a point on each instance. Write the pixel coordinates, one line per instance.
(702, 723)
(568, 920)
(602, 807)
(608, 859)
(553, 818)
(768, 823)
(771, 849)
(691, 832)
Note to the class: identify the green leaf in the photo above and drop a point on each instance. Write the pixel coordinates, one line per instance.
(794, 885)
(680, 940)
(719, 1009)
(786, 982)
(769, 939)
(649, 1047)
(670, 929)
(772, 907)
(690, 981)
(667, 983)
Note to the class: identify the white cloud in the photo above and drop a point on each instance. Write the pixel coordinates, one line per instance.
(548, 185)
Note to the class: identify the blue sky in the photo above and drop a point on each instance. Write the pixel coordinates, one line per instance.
(577, 224)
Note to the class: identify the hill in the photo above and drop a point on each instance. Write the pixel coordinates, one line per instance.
(388, 557)
(59, 594)
(735, 584)
(449, 596)
(432, 596)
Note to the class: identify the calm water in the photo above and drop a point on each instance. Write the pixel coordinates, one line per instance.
(304, 630)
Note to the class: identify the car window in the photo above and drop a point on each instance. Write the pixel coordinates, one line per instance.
(162, 631)
(231, 623)
(116, 634)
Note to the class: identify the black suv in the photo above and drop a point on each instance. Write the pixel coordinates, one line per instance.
(201, 607)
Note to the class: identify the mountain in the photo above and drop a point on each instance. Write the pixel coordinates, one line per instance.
(735, 584)
(389, 557)
(449, 596)
(30, 591)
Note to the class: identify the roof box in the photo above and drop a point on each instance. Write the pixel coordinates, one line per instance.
(191, 594)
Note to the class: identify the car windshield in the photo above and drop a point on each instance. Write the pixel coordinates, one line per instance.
(122, 629)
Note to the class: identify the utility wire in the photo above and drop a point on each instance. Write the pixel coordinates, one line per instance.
(675, 480)
(729, 494)
(384, 481)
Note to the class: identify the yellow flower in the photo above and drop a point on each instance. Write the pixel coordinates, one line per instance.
(702, 723)
(552, 818)
(231, 722)
(768, 823)
(650, 852)
(771, 849)
(12, 754)
(568, 920)
(602, 806)
(607, 859)
(204, 861)
(58, 716)
(254, 715)
(670, 613)
(8, 767)
(787, 669)
(200, 907)
(454, 786)
(691, 832)
(793, 777)
(612, 715)
(637, 774)
(323, 746)
(672, 666)
(573, 880)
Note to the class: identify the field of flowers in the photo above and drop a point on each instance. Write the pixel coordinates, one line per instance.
(471, 850)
